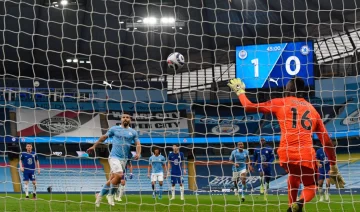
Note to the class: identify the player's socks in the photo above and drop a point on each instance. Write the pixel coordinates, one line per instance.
(182, 192)
(160, 191)
(154, 194)
(104, 190)
(26, 190)
(34, 188)
(113, 189)
(262, 184)
(173, 192)
(243, 187)
(122, 190)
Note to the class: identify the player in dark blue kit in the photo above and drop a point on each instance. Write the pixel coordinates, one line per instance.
(28, 164)
(324, 168)
(178, 168)
(263, 158)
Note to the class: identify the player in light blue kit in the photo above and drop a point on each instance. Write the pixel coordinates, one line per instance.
(177, 164)
(122, 138)
(157, 167)
(28, 164)
(324, 168)
(240, 158)
(124, 178)
(263, 158)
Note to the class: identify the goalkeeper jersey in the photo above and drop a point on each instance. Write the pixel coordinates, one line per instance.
(298, 119)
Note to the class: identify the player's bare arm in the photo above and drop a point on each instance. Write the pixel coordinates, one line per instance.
(99, 141)
(184, 167)
(38, 166)
(149, 170)
(138, 150)
(21, 166)
(251, 169)
(165, 170)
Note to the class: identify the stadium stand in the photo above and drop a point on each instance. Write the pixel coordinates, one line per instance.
(70, 175)
(5, 176)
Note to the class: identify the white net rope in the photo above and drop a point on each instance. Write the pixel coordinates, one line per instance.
(70, 68)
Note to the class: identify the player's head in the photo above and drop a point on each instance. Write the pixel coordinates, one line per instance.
(262, 141)
(240, 145)
(175, 148)
(125, 119)
(295, 87)
(156, 151)
(29, 147)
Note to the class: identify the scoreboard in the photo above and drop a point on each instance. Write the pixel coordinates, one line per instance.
(273, 65)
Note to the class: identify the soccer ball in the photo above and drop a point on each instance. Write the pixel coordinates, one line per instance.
(175, 61)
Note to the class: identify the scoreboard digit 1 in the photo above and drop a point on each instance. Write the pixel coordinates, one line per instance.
(273, 65)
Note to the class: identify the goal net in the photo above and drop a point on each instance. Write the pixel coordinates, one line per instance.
(71, 68)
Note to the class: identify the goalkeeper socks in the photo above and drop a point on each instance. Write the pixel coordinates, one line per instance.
(113, 189)
(26, 189)
(104, 190)
(34, 188)
(173, 191)
(262, 180)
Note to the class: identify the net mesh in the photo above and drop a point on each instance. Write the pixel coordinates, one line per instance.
(70, 68)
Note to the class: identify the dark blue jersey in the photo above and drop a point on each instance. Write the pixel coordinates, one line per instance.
(263, 155)
(28, 160)
(322, 157)
(176, 161)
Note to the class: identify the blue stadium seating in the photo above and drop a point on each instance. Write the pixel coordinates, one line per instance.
(87, 175)
(6, 184)
(70, 175)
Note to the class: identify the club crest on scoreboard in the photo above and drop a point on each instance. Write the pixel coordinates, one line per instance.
(225, 129)
(305, 50)
(243, 54)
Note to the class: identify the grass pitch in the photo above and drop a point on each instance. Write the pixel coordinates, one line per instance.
(192, 203)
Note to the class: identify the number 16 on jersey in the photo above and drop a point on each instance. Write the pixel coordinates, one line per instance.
(273, 65)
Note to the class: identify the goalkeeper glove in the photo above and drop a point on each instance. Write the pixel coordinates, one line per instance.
(131, 176)
(237, 86)
(335, 177)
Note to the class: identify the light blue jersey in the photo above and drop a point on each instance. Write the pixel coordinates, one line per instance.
(122, 138)
(157, 163)
(239, 158)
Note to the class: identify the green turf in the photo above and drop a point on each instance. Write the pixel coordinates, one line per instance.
(76, 202)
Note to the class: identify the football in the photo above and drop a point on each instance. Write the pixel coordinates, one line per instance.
(175, 61)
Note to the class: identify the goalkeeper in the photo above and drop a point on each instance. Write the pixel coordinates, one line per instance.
(298, 119)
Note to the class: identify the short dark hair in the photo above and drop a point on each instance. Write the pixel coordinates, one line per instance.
(155, 148)
(29, 144)
(298, 87)
(126, 113)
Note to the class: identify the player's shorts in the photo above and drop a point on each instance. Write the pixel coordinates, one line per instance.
(117, 165)
(157, 177)
(29, 176)
(176, 179)
(266, 170)
(237, 175)
(323, 174)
